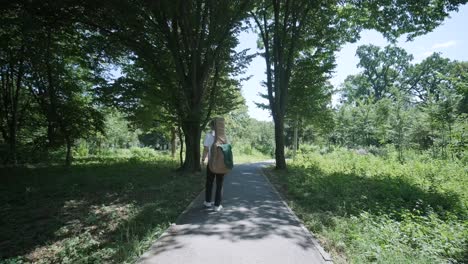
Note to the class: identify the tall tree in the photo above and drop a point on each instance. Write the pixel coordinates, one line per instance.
(286, 29)
(63, 73)
(198, 35)
(310, 94)
(379, 86)
(382, 69)
(186, 46)
(354, 88)
(421, 104)
(426, 79)
(437, 88)
(399, 118)
(289, 27)
(459, 77)
(14, 33)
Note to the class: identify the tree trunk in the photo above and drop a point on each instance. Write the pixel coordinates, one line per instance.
(181, 139)
(192, 134)
(10, 99)
(450, 139)
(68, 159)
(50, 134)
(173, 142)
(295, 139)
(279, 143)
(12, 142)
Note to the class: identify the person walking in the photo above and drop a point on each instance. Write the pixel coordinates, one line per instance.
(210, 176)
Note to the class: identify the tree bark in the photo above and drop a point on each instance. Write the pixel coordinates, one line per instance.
(279, 59)
(50, 135)
(279, 143)
(12, 142)
(68, 158)
(10, 99)
(295, 139)
(173, 142)
(192, 132)
(181, 139)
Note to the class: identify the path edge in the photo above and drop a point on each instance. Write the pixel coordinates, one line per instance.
(170, 229)
(325, 255)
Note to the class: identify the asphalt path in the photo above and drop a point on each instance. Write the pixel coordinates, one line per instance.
(255, 226)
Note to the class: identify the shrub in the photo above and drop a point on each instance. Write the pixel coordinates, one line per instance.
(81, 150)
(376, 151)
(143, 153)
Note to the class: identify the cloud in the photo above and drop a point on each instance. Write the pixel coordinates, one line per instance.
(435, 48)
(422, 56)
(444, 45)
(427, 54)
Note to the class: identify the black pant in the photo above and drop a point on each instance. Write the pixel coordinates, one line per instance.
(210, 176)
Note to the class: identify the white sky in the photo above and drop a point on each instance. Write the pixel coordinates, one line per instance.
(450, 39)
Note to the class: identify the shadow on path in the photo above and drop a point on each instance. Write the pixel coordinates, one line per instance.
(252, 212)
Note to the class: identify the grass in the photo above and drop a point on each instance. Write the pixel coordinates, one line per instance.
(100, 210)
(246, 154)
(367, 209)
(242, 158)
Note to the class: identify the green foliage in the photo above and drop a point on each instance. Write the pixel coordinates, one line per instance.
(368, 209)
(309, 92)
(82, 150)
(410, 106)
(249, 136)
(167, 79)
(56, 74)
(143, 153)
(382, 69)
(396, 18)
(309, 98)
(117, 133)
(247, 154)
(238, 124)
(459, 76)
(458, 143)
(287, 34)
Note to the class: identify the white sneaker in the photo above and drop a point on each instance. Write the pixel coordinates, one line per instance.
(218, 208)
(207, 204)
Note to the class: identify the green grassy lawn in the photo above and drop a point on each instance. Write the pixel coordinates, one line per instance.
(366, 209)
(239, 159)
(101, 210)
(248, 155)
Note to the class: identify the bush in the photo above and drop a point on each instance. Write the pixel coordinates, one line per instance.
(243, 149)
(143, 153)
(288, 152)
(307, 149)
(326, 150)
(376, 151)
(105, 152)
(124, 153)
(56, 155)
(81, 150)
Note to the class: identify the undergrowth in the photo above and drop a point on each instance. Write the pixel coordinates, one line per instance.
(369, 209)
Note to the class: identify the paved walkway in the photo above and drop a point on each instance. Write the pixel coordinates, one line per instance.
(255, 226)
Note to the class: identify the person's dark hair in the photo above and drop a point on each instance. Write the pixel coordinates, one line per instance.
(212, 124)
